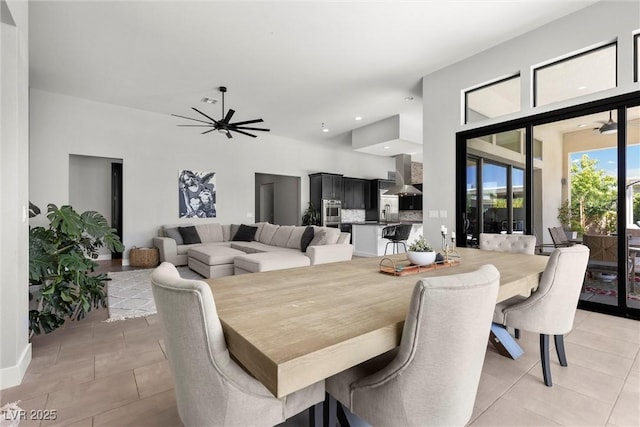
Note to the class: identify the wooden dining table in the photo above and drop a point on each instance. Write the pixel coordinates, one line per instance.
(291, 328)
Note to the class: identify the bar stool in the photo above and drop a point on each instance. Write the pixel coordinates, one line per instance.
(397, 234)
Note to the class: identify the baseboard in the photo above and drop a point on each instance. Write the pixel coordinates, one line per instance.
(12, 376)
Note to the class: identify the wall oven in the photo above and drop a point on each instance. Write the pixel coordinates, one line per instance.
(331, 213)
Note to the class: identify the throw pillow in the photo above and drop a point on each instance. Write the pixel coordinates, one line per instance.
(308, 237)
(189, 235)
(174, 234)
(245, 233)
(319, 238)
(233, 231)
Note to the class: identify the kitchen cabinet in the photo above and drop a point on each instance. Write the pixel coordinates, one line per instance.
(324, 186)
(355, 193)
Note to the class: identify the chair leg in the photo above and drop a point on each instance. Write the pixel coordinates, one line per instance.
(386, 246)
(330, 416)
(516, 333)
(315, 415)
(544, 358)
(342, 417)
(405, 246)
(562, 357)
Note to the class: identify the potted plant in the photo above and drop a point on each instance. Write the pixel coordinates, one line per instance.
(62, 284)
(420, 252)
(311, 216)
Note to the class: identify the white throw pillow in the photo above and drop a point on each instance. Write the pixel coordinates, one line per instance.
(296, 235)
(282, 236)
(267, 233)
(210, 233)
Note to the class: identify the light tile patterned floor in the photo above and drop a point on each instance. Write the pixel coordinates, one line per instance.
(116, 374)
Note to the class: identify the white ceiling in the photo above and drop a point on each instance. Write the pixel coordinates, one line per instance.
(296, 64)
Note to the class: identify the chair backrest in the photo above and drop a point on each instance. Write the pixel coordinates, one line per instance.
(558, 236)
(601, 247)
(512, 243)
(402, 232)
(552, 307)
(434, 378)
(210, 388)
(389, 231)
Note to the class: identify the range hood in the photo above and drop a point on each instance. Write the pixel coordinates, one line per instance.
(403, 185)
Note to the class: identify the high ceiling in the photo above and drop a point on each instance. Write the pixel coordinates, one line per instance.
(296, 64)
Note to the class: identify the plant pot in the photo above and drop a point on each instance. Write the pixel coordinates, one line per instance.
(421, 258)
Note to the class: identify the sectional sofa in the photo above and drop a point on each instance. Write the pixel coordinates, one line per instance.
(216, 250)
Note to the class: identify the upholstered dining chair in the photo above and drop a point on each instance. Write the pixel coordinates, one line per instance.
(212, 389)
(549, 310)
(432, 377)
(512, 243)
(559, 237)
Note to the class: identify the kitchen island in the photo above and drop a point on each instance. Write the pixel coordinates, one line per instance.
(368, 242)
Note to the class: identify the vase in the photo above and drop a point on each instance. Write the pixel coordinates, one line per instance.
(421, 258)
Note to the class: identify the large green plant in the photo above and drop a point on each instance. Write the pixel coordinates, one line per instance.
(311, 216)
(61, 265)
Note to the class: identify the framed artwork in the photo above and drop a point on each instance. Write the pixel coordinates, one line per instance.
(196, 194)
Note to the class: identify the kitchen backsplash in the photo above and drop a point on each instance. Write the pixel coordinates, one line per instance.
(353, 215)
(410, 215)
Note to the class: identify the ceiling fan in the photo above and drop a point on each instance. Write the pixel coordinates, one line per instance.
(608, 127)
(224, 125)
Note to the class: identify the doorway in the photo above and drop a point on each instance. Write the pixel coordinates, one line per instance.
(95, 184)
(277, 199)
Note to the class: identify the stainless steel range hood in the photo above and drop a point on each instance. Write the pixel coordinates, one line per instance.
(403, 185)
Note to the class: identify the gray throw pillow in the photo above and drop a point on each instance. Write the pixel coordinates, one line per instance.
(174, 234)
(319, 238)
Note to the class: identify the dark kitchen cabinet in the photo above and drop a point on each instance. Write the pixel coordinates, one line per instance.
(355, 194)
(324, 186)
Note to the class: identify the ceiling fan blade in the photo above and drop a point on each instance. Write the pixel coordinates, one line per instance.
(184, 117)
(230, 114)
(207, 131)
(198, 126)
(210, 118)
(248, 128)
(229, 134)
(243, 132)
(246, 122)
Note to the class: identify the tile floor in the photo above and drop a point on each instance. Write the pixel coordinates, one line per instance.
(116, 374)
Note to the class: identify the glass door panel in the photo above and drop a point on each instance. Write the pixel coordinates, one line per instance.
(632, 195)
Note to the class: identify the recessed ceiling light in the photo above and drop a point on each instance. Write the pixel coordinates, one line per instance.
(324, 129)
(358, 118)
(408, 98)
(581, 125)
(386, 147)
(582, 87)
(209, 100)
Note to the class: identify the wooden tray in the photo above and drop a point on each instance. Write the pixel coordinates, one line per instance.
(388, 266)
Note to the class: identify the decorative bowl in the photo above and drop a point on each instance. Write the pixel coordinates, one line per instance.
(421, 258)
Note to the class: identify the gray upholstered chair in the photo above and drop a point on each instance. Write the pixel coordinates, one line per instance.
(550, 310)
(513, 243)
(432, 377)
(211, 389)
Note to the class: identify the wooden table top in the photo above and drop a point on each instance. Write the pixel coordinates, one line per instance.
(291, 328)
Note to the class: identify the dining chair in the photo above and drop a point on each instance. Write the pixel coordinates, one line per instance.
(397, 235)
(432, 377)
(512, 243)
(549, 310)
(210, 387)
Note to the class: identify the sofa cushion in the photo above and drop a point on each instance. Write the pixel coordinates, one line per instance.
(214, 255)
(256, 247)
(267, 233)
(296, 235)
(333, 234)
(268, 261)
(174, 234)
(189, 235)
(259, 230)
(184, 249)
(245, 233)
(226, 232)
(209, 233)
(282, 236)
(233, 229)
(307, 237)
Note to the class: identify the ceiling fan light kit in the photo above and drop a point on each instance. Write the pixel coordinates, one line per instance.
(223, 125)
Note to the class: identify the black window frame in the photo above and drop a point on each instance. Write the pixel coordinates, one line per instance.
(569, 58)
(484, 86)
(636, 58)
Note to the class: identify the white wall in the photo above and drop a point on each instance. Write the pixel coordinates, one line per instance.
(153, 149)
(443, 89)
(15, 350)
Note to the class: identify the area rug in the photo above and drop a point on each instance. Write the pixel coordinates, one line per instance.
(129, 293)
